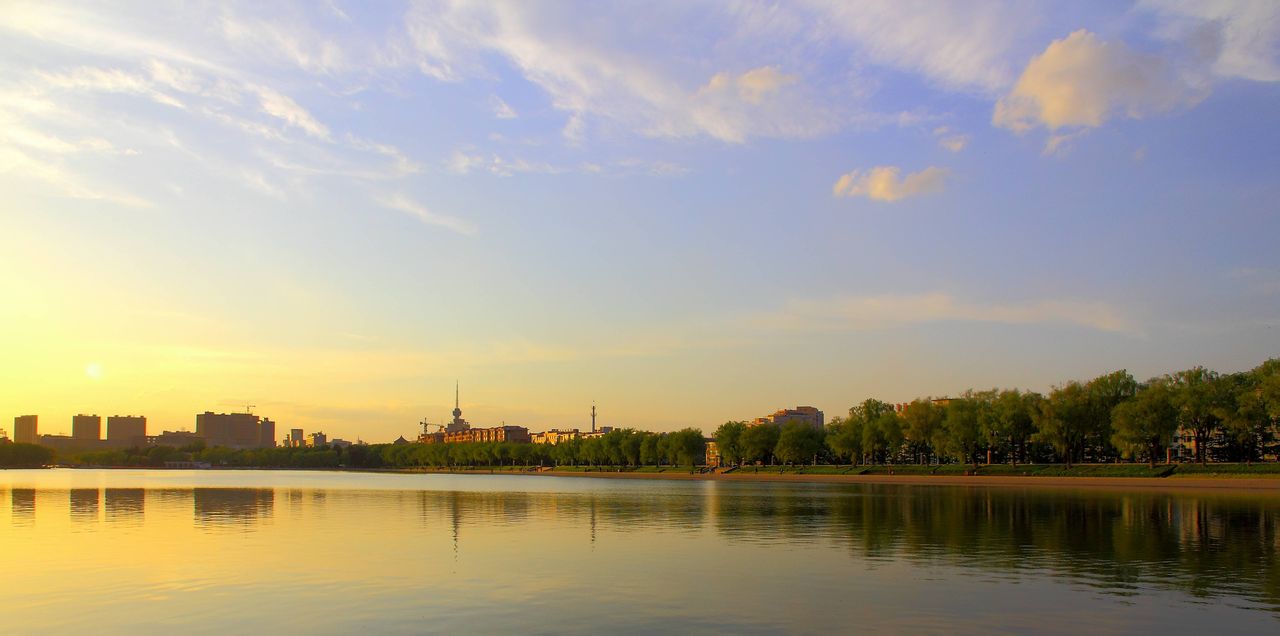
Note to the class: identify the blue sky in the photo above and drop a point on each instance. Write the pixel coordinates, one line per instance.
(688, 212)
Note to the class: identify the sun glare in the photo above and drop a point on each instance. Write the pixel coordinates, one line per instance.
(93, 370)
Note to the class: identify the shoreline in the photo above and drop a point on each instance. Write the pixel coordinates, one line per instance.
(1244, 484)
(1143, 483)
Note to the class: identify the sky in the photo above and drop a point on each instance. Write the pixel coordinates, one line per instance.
(684, 212)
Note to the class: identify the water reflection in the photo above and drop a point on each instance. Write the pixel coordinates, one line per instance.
(22, 506)
(84, 504)
(233, 508)
(125, 505)
(503, 554)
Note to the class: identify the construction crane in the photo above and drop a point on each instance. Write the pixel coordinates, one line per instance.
(426, 427)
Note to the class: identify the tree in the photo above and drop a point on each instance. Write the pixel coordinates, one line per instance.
(797, 443)
(1146, 423)
(882, 436)
(759, 441)
(1063, 420)
(844, 438)
(1199, 394)
(961, 434)
(1105, 392)
(729, 441)
(688, 447)
(921, 421)
(1014, 412)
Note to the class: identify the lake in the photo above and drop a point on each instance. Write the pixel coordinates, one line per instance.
(112, 551)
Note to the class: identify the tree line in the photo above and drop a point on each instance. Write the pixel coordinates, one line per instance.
(1227, 417)
(620, 447)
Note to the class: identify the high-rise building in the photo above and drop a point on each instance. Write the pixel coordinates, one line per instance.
(86, 428)
(319, 439)
(236, 430)
(802, 414)
(295, 438)
(127, 430)
(24, 429)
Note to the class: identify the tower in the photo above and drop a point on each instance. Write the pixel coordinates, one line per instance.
(458, 425)
(593, 417)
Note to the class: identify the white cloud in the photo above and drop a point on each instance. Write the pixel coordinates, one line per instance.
(881, 183)
(404, 204)
(107, 81)
(501, 109)
(950, 140)
(1082, 81)
(854, 313)
(961, 45)
(1236, 38)
(16, 163)
(283, 107)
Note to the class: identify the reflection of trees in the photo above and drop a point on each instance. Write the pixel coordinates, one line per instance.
(125, 504)
(84, 504)
(232, 507)
(1202, 544)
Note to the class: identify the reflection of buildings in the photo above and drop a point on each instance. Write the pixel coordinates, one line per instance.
(124, 431)
(802, 414)
(86, 428)
(125, 504)
(236, 430)
(84, 504)
(22, 504)
(233, 505)
(24, 429)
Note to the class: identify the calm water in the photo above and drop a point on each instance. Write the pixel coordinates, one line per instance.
(272, 552)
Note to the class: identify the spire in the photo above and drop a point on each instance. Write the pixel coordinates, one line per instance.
(457, 408)
(455, 394)
(593, 417)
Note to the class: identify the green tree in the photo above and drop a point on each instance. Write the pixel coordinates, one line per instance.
(844, 438)
(1199, 395)
(1014, 412)
(758, 442)
(729, 441)
(921, 422)
(1146, 424)
(1063, 420)
(961, 432)
(798, 443)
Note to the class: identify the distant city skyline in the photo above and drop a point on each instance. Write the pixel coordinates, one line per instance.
(687, 213)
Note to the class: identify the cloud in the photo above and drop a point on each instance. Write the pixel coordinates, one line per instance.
(881, 183)
(950, 140)
(752, 86)
(16, 163)
(284, 108)
(107, 81)
(404, 204)
(956, 45)
(1082, 81)
(501, 109)
(1236, 38)
(859, 313)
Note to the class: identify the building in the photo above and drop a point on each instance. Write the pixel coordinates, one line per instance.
(24, 429)
(124, 431)
(400, 441)
(295, 438)
(318, 439)
(713, 452)
(176, 439)
(339, 443)
(802, 414)
(236, 430)
(901, 407)
(554, 436)
(86, 428)
(600, 432)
